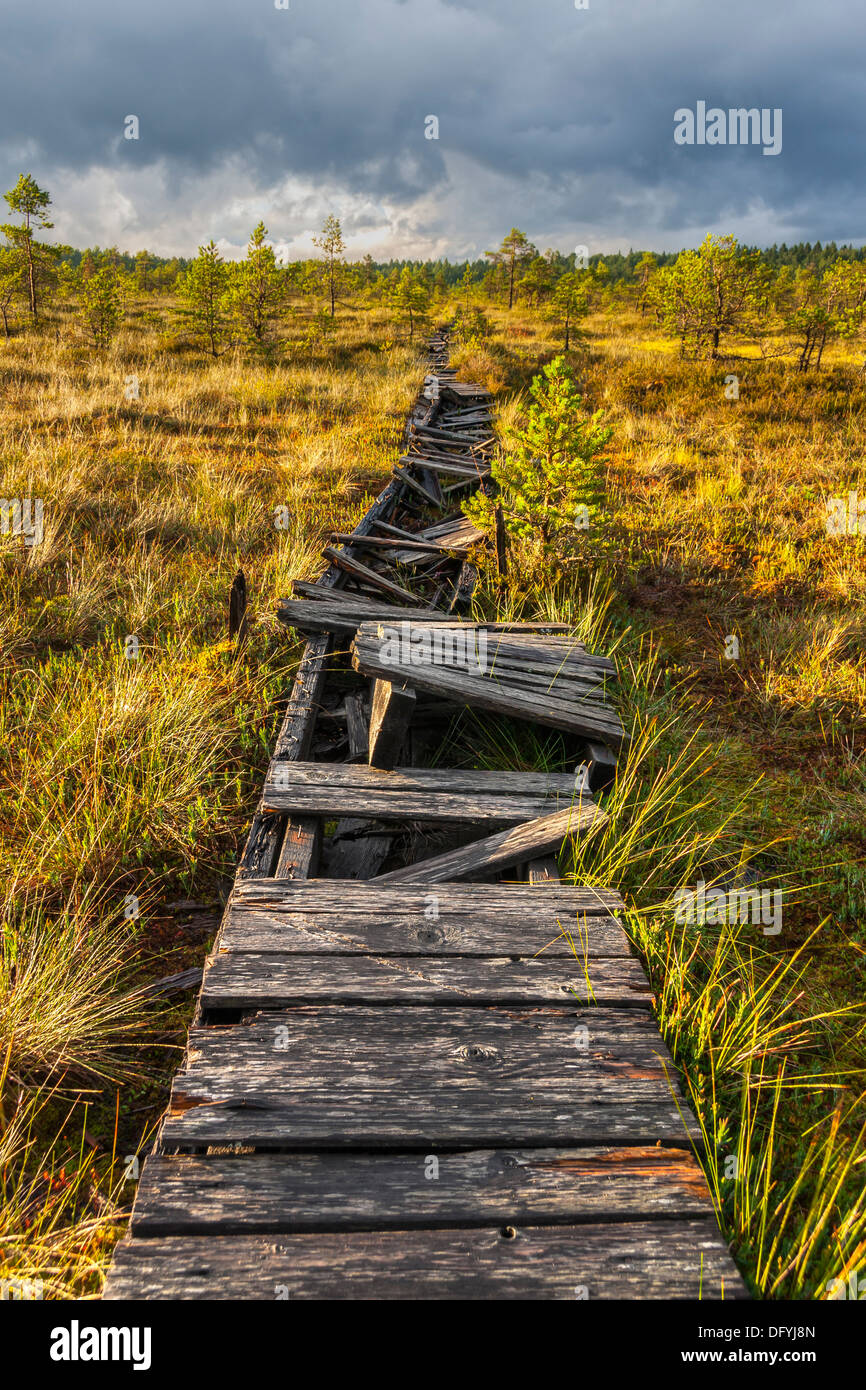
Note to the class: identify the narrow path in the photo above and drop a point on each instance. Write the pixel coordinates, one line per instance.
(409, 1076)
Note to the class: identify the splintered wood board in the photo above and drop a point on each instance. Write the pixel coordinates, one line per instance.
(579, 709)
(337, 1076)
(516, 845)
(629, 1260)
(407, 793)
(264, 1194)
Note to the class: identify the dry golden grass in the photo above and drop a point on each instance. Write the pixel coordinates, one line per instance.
(125, 779)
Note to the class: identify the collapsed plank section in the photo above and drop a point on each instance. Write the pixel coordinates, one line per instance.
(547, 679)
(504, 849)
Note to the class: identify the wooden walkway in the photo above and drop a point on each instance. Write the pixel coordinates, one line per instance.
(408, 1076)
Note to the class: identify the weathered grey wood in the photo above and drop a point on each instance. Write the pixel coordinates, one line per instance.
(487, 691)
(429, 478)
(601, 766)
(300, 850)
(351, 1076)
(173, 984)
(469, 919)
(432, 781)
(464, 587)
(356, 852)
(392, 543)
(454, 466)
(357, 728)
(498, 851)
(354, 567)
(406, 793)
(416, 486)
(262, 846)
(452, 529)
(391, 713)
(247, 979)
(542, 871)
(684, 1259)
(271, 1194)
(341, 613)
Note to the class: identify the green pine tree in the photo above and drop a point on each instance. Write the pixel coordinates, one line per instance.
(257, 290)
(203, 288)
(36, 260)
(549, 474)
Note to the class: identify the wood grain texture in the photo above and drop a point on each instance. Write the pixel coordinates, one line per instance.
(271, 980)
(330, 917)
(507, 847)
(643, 1259)
(274, 1193)
(407, 793)
(349, 1076)
(576, 712)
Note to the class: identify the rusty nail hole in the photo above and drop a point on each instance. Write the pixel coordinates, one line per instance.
(508, 1233)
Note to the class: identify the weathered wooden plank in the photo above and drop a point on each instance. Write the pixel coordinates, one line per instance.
(432, 781)
(248, 979)
(508, 847)
(390, 543)
(271, 1194)
(358, 850)
(485, 691)
(352, 1076)
(342, 613)
(406, 793)
(392, 707)
(469, 919)
(681, 1259)
(354, 567)
(356, 727)
(300, 850)
(262, 852)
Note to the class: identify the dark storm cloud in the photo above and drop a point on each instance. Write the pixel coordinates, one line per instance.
(555, 118)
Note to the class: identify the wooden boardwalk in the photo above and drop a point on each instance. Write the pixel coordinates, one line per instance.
(422, 1066)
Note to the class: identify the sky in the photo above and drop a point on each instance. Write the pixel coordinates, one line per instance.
(556, 119)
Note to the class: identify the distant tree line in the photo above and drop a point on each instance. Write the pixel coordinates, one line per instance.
(791, 300)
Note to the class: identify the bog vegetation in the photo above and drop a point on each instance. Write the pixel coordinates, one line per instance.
(677, 433)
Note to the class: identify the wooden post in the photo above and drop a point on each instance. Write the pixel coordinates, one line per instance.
(601, 765)
(238, 608)
(356, 728)
(393, 707)
(501, 543)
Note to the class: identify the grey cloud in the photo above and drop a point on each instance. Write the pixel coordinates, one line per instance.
(550, 117)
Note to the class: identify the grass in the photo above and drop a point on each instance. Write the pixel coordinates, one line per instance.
(134, 733)
(129, 783)
(741, 770)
